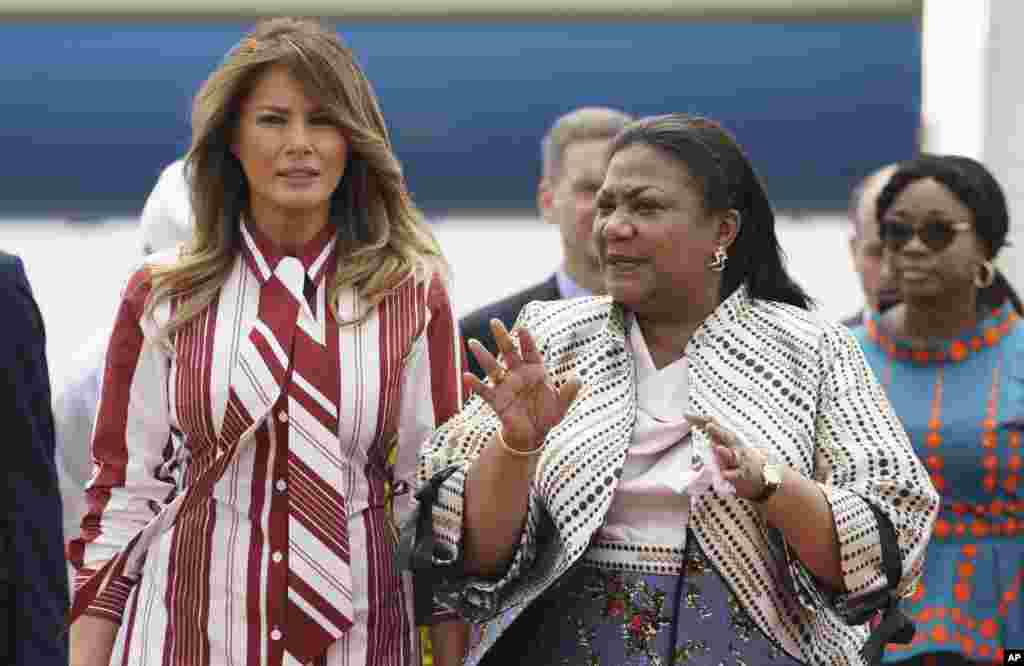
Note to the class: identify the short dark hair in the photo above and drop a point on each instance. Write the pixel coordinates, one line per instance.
(728, 181)
(977, 189)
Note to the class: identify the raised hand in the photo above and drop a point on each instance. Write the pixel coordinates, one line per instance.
(741, 463)
(521, 391)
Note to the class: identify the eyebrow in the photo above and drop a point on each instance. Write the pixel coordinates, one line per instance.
(934, 212)
(286, 111)
(629, 193)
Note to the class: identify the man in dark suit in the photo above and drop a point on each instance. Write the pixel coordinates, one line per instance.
(33, 576)
(866, 246)
(572, 170)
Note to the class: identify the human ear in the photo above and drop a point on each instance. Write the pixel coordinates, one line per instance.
(545, 199)
(854, 244)
(728, 227)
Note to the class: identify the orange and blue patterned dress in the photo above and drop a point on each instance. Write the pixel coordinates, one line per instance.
(962, 404)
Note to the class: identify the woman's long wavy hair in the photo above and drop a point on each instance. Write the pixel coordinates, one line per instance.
(382, 237)
(728, 180)
(978, 190)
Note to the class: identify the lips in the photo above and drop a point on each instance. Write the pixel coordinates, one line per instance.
(300, 172)
(622, 261)
(889, 296)
(914, 274)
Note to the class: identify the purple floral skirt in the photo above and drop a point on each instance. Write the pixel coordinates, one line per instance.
(597, 616)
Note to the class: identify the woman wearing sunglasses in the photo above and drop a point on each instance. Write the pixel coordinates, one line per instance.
(951, 357)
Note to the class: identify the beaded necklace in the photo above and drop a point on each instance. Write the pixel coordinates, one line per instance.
(938, 354)
(986, 334)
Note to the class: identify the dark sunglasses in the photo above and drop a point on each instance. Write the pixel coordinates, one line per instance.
(936, 236)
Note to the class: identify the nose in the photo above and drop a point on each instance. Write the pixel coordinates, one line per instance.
(587, 205)
(299, 138)
(615, 227)
(915, 245)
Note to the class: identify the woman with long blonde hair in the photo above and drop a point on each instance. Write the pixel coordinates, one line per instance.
(267, 387)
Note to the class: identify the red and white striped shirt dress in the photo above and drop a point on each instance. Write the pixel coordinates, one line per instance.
(212, 587)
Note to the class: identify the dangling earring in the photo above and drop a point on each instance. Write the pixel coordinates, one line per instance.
(989, 271)
(717, 264)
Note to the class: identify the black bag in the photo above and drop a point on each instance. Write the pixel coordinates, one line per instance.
(415, 550)
(895, 626)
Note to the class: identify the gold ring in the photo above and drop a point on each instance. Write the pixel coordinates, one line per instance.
(500, 376)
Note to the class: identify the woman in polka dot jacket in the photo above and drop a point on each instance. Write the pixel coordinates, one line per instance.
(694, 469)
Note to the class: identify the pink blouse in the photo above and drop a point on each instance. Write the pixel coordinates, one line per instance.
(663, 471)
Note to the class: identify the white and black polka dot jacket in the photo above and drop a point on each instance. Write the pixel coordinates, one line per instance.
(779, 376)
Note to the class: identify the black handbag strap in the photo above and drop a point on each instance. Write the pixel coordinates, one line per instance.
(895, 626)
(415, 550)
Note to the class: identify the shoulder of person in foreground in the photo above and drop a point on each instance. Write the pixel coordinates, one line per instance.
(800, 325)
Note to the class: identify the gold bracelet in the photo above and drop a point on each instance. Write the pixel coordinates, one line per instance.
(516, 452)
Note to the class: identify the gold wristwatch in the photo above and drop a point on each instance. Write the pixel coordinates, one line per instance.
(771, 478)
